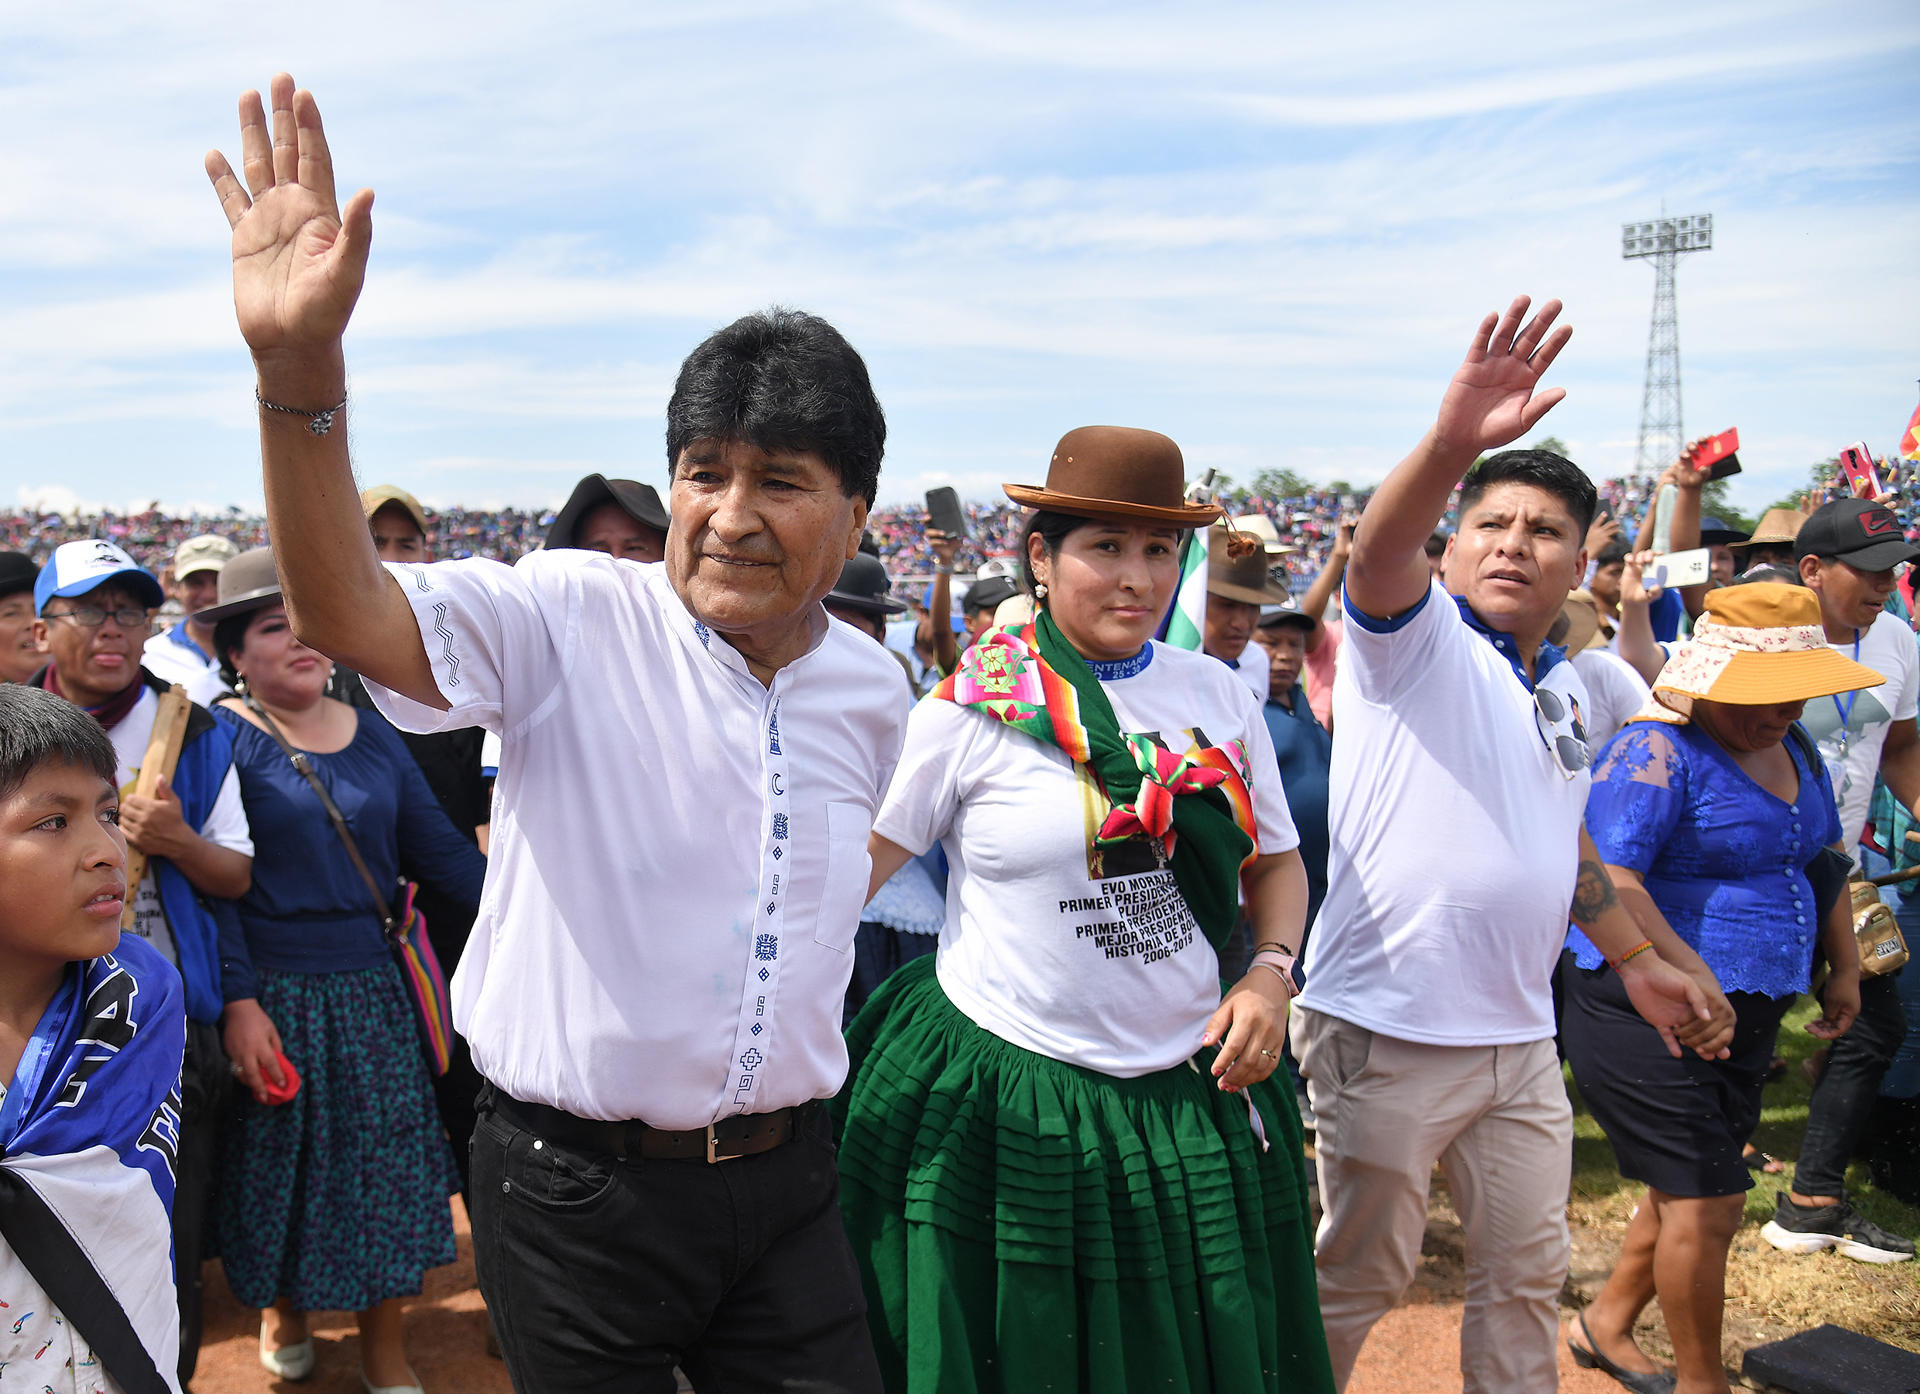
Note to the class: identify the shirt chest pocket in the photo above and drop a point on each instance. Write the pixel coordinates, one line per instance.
(848, 868)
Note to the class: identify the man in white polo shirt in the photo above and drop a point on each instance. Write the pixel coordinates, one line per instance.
(692, 757)
(1459, 782)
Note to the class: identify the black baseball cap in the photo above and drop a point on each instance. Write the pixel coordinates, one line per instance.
(1859, 532)
(1287, 611)
(17, 573)
(989, 593)
(639, 501)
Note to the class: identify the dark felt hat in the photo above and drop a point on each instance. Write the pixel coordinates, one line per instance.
(18, 572)
(247, 582)
(863, 586)
(1856, 531)
(1245, 577)
(637, 500)
(1116, 472)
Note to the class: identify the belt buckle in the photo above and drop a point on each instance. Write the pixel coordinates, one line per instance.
(713, 1142)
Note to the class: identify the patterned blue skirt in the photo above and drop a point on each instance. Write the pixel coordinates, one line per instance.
(337, 1199)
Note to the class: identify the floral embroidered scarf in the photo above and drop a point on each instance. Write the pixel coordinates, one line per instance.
(1197, 806)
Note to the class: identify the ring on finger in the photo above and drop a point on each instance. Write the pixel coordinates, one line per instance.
(235, 1066)
(1271, 1054)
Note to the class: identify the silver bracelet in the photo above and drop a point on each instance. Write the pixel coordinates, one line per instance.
(318, 422)
(943, 571)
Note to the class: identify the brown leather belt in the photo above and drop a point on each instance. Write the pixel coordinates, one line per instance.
(742, 1135)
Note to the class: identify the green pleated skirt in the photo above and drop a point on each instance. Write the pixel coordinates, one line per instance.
(1028, 1226)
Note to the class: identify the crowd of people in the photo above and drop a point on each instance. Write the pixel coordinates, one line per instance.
(938, 1005)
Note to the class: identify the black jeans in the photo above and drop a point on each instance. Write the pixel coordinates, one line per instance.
(1842, 1102)
(604, 1273)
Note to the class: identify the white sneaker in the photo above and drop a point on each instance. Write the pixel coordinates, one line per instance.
(293, 1362)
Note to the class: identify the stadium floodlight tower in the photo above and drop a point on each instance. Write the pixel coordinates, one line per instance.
(1663, 241)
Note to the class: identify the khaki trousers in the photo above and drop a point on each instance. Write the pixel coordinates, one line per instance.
(1497, 1120)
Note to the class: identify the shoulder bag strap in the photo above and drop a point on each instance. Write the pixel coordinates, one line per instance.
(61, 1266)
(305, 767)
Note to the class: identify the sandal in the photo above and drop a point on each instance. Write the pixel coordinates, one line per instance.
(1640, 1381)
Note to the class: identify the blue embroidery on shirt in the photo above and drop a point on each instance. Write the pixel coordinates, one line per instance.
(706, 635)
(764, 975)
(751, 1060)
(755, 1028)
(446, 638)
(779, 852)
(773, 733)
(766, 946)
(780, 826)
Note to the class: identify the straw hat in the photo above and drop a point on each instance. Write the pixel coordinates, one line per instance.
(1758, 643)
(1261, 526)
(1117, 472)
(1778, 527)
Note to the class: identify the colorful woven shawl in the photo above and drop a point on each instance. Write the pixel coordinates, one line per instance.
(1197, 805)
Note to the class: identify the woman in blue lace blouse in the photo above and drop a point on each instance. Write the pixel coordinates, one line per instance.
(1707, 807)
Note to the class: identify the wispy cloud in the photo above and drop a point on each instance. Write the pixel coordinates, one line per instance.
(1265, 235)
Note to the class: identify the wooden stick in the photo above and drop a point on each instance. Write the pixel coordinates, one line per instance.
(163, 755)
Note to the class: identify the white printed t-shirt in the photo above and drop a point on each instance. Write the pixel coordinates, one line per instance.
(1454, 837)
(1887, 647)
(679, 853)
(1084, 954)
(226, 824)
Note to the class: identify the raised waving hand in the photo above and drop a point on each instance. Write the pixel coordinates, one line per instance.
(298, 260)
(1494, 397)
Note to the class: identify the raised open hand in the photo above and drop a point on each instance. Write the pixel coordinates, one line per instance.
(298, 261)
(1492, 399)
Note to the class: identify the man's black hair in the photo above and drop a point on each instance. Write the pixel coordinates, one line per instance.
(1052, 529)
(782, 380)
(1615, 552)
(1543, 469)
(39, 729)
(1436, 545)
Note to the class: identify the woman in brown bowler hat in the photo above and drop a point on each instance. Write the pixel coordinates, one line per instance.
(1062, 1164)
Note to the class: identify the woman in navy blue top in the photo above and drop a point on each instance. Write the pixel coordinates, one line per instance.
(1707, 810)
(336, 1199)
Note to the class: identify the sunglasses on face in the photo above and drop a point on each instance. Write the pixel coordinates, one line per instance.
(93, 616)
(1558, 721)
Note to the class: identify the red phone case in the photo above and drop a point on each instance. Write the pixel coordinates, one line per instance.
(1856, 462)
(1714, 449)
(277, 1094)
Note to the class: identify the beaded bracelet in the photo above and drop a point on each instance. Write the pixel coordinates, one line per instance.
(1634, 952)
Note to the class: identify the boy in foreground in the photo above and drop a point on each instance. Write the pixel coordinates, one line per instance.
(91, 1031)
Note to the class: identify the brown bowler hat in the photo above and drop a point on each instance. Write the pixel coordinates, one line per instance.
(1117, 472)
(1245, 577)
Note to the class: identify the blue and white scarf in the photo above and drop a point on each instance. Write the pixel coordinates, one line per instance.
(91, 1120)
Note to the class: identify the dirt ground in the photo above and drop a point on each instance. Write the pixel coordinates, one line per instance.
(1414, 1350)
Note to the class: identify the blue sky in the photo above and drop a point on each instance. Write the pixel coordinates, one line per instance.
(1265, 230)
